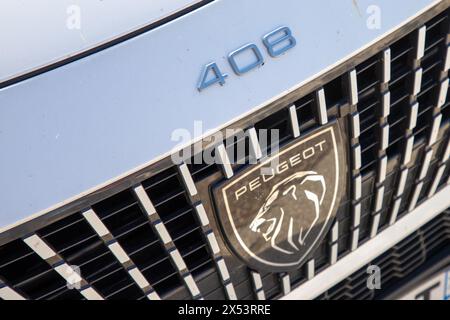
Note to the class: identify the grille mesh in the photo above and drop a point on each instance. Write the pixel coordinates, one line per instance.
(397, 263)
(129, 225)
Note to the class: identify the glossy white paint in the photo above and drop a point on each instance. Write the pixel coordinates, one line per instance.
(69, 131)
(35, 33)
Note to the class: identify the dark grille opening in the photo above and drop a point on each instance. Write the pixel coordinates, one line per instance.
(79, 245)
(29, 274)
(177, 212)
(278, 121)
(334, 93)
(238, 149)
(199, 168)
(306, 113)
(133, 231)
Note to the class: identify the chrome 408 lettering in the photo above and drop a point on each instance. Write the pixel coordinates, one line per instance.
(276, 43)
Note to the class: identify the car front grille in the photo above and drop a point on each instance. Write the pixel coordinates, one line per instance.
(398, 262)
(395, 113)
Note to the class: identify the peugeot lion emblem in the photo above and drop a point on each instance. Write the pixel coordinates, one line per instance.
(273, 219)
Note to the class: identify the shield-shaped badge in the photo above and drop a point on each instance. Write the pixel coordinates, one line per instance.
(274, 214)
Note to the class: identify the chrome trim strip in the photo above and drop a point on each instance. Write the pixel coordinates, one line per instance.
(321, 107)
(382, 169)
(386, 74)
(357, 186)
(412, 122)
(435, 129)
(224, 274)
(187, 179)
(402, 182)
(447, 59)
(138, 277)
(286, 284)
(294, 121)
(40, 247)
(192, 286)
(356, 153)
(353, 87)
(446, 154)
(355, 239)
(163, 233)
(384, 137)
(212, 241)
(201, 213)
(443, 89)
(8, 293)
(95, 222)
(257, 285)
(356, 220)
(357, 215)
(408, 150)
(334, 244)
(310, 269)
(375, 225)
(386, 104)
(394, 212)
(178, 260)
(254, 143)
(417, 84)
(425, 164)
(436, 181)
(231, 294)
(415, 196)
(145, 201)
(90, 294)
(379, 198)
(356, 130)
(221, 152)
(420, 48)
(118, 252)
(385, 240)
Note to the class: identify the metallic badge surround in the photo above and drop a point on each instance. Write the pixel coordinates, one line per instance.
(274, 218)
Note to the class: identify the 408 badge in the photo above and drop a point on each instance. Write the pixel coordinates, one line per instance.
(276, 43)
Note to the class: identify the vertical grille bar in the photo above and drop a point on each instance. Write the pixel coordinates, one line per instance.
(166, 239)
(441, 168)
(334, 243)
(285, 283)
(294, 121)
(209, 234)
(310, 269)
(356, 159)
(8, 293)
(384, 112)
(116, 249)
(224, 161)
(321, 107)
(417, 78)
(257, 285)
(41, 248)
(437, 118)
